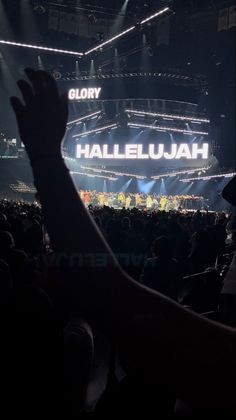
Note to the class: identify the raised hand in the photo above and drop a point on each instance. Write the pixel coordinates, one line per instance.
(42, 119)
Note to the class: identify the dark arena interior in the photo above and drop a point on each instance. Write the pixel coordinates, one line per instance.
(117, 207)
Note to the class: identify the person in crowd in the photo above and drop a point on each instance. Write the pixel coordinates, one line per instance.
(127, 201)
(87, 198)
(18, 261)
(189, 355)
(149, 201)
(202, 253)
(138, 200)
(101, 199)
(163, 202)
(162, 273)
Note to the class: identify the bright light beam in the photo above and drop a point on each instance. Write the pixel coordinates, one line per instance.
(97, 130)
(155, 15)
(160, 12)
(160, 128)
(84, 118)
(41, 48)
(110, 40)
(175, 117)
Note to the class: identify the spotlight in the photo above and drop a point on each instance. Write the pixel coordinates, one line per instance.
(100, 36)
(92, 18)
(56, 74)
(39, 9)
(77, 69)
(40, 63)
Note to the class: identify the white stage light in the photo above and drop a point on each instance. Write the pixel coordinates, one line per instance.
(89, 116)
(95, 131)
(39, 47)
(114, 172)
(206, 178)
(174, 130)
(188, 171)
(93, 175)
(169, 116)
(166, 9)
(110, 40)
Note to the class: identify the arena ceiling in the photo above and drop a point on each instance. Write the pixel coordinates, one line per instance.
(187, 47)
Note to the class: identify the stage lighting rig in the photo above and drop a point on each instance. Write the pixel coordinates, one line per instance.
(177, 173)
(91, 116)
(111, 178)
(39, 8)
(207, 178)
(96, 131)
(171, 129)
(170, 116)
(113, 172)
(40, 47)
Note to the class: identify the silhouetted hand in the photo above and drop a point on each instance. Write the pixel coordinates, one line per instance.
(42, 120)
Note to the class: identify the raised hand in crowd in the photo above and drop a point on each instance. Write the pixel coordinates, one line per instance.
(43, 116)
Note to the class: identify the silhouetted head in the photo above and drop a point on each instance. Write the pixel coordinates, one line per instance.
(6, 240)
(126, 223)
(163, 247)
(3, 221)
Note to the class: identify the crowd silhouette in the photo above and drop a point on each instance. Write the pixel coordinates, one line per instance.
(149, 282)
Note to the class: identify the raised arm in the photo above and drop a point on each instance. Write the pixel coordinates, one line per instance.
(42, 124)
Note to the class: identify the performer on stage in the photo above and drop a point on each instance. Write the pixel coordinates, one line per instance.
(163, 201)
(94, 200)
(138, 200)
(149, 202)
(132, 203)
(101, 199)
(127, 202)
(154, 202)
(169, 203)
(175, 203)
(121, 199)
(87, 198)
(110, 199)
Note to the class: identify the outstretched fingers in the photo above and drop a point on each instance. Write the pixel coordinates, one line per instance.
(43, 83)
(50, 83)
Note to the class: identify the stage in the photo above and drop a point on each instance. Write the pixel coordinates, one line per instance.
(142, 201)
